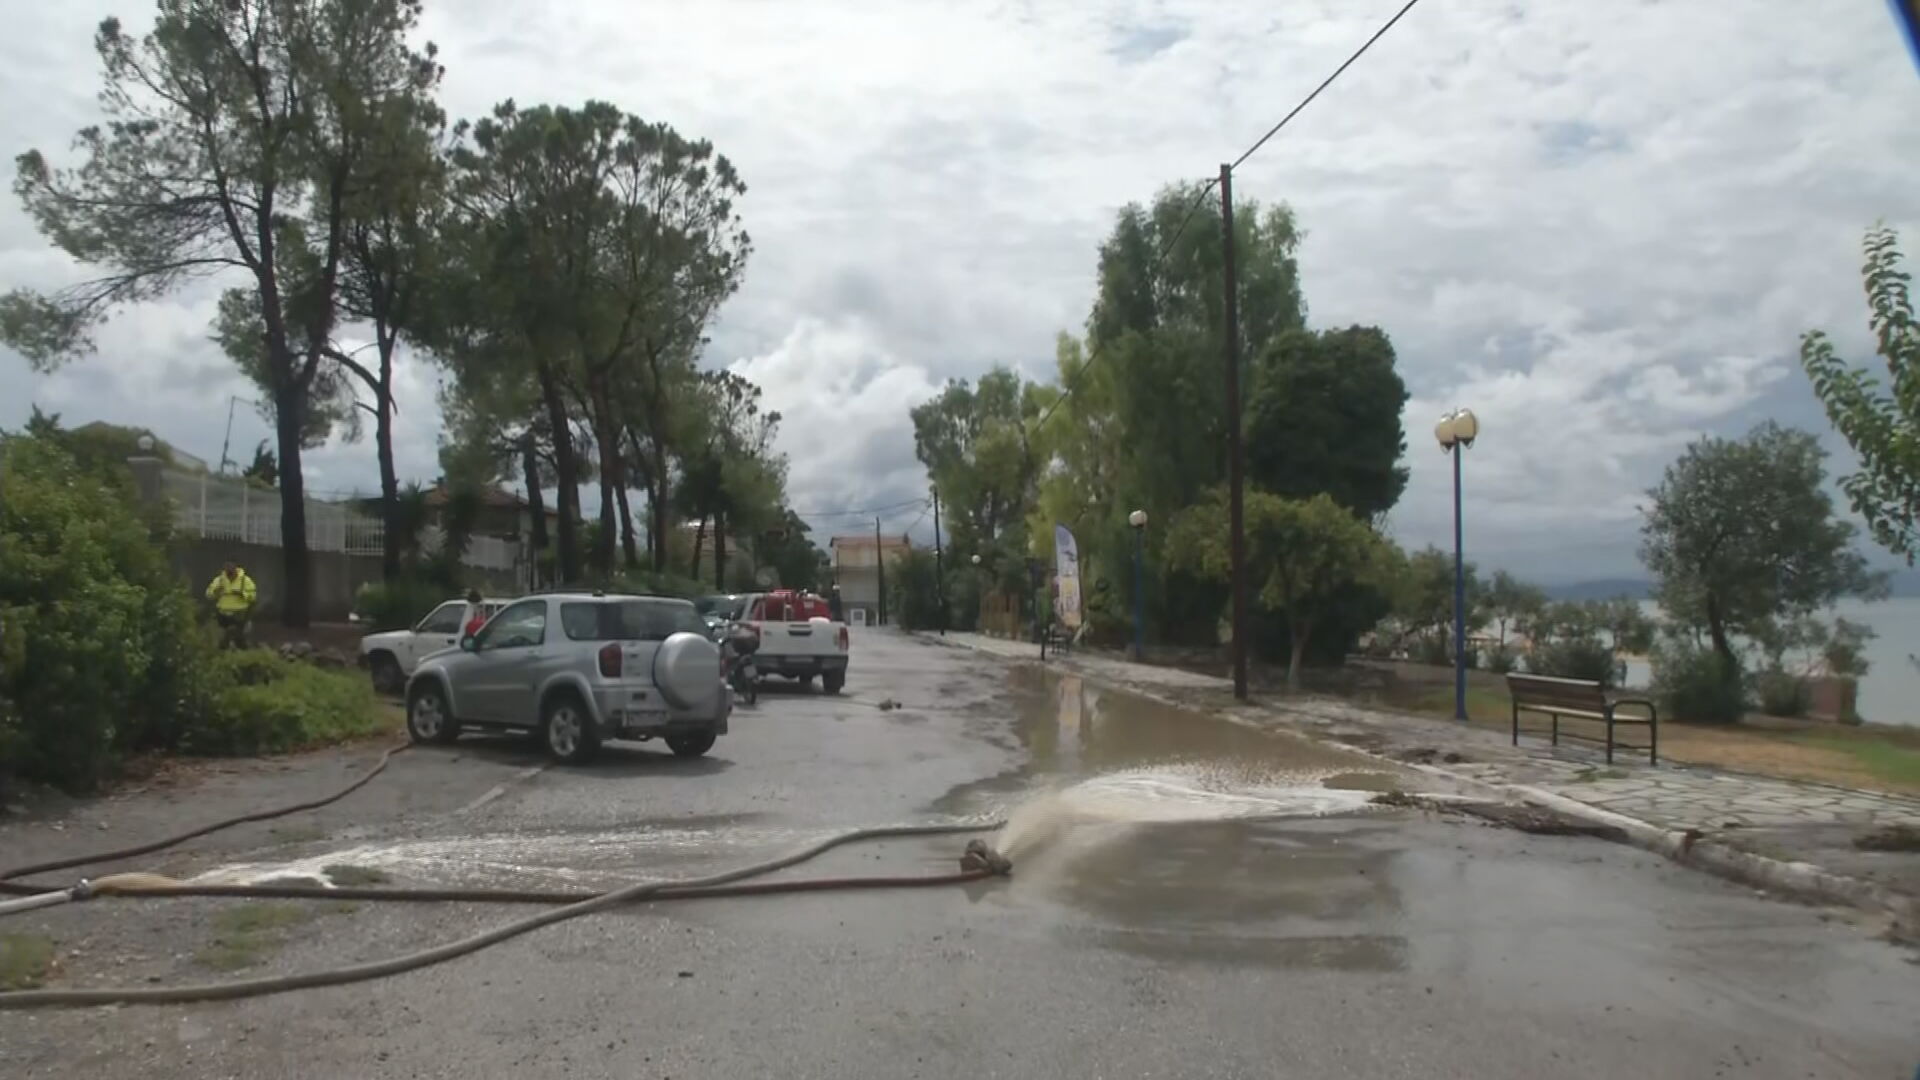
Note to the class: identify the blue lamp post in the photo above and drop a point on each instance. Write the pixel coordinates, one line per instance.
(1138, 519)
(1456, 431)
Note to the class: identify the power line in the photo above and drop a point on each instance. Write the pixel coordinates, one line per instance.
(866, 512)
(1324, 83)
(1207, 188)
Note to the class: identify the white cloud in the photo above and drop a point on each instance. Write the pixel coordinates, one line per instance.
(1603, 226)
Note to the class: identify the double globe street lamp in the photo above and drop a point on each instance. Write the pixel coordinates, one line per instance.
(1455, 432)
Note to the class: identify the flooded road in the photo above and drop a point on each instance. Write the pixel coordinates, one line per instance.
(1191, 898)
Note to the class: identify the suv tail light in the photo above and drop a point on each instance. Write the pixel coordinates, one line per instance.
(610, 661)
(843, 639)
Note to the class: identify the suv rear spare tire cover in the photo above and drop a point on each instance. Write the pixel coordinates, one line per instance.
(686, 668)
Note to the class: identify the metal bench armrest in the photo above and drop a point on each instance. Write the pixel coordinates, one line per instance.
(1653, 714)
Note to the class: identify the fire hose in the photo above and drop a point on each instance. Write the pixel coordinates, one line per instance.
(978, 863)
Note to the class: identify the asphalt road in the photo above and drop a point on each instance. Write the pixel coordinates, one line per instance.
(1191, 898)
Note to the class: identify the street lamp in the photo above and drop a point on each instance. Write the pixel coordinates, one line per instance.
(1455, 432)
(1138, 519)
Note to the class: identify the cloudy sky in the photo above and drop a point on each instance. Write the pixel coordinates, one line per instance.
(1601, 225)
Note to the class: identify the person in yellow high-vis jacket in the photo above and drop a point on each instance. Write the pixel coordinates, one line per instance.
(233, 594)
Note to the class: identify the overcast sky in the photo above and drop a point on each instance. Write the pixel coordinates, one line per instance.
(1601, 225)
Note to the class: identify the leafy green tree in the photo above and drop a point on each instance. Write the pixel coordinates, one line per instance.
(1878, 416)
(1323, 415)
(1741, 533)
(1423, 595)
(1302, 553)
(979, 446)
(1511, 602)
(232, 138)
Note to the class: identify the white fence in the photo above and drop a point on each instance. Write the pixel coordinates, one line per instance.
(227, 508)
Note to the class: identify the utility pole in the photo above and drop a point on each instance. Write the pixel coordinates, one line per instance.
(1237, 541)
(939, 578)
(880, 568)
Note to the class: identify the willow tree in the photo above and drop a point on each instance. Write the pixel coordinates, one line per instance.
(229, 148)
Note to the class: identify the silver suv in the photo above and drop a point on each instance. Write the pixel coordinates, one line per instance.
(579, 668)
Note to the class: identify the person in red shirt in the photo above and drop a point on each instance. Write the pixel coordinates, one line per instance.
(476, 614)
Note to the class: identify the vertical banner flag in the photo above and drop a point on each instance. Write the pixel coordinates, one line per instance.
(1066, 556)
(1906, 13)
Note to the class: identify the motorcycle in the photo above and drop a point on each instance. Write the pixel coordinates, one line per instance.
(738, 643)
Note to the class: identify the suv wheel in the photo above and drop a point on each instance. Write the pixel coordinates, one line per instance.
(690, 745)
(429, 720)
(568, 731)
(832, 681)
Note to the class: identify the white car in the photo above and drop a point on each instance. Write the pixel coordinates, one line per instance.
(392, 655)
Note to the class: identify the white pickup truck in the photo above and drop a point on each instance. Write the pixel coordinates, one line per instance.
(799, 638)
(392, 655)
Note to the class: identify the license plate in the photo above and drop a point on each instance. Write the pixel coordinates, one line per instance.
(639, 718)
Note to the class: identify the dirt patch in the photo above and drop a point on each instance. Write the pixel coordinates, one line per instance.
(1427, 755)
(1889, 838)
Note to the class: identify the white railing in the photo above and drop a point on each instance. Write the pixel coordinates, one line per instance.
(227, 508)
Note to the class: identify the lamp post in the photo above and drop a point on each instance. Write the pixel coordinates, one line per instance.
(1455, 432)
(1138, 519)
(979, 598)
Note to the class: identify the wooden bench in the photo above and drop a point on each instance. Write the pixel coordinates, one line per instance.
(1581, 699)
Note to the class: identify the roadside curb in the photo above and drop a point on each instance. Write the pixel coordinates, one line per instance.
(1800, 880)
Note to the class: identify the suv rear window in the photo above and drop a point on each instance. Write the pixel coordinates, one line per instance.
(629, 620)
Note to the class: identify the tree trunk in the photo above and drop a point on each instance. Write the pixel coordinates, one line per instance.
(296, 601)
(1717, 630)
(1298, 630)
(567, 479)
(536, 509)
(389, 479)
(659, 496)
(699, 541)
(629, 555)
(608, 532)
(719, 553)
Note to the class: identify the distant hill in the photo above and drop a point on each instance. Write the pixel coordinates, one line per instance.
(1601, 589)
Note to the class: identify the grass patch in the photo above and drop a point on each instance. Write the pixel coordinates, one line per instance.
(243, 936)
(25, 960)
(345, 874)
(1882, 759)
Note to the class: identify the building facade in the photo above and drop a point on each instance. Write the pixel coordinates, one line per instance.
(856, 572)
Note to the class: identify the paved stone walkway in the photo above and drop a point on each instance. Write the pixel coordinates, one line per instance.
(1781, 818)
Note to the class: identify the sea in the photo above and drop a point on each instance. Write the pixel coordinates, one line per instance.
(1890, 690)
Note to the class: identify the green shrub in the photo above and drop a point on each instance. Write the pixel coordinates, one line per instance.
(98, 634)
(1574, 658)
(1432, 649)
(1692, 683)
(1782, 693)
(256, 702)
(1502, 659)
